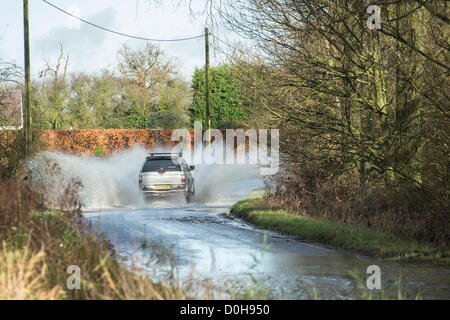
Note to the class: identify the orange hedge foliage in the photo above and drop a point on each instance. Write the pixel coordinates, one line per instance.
(111, 140)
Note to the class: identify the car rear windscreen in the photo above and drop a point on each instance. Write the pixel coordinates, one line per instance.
(163, 164)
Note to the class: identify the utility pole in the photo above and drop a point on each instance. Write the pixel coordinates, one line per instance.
(28, 135)
(208, 116)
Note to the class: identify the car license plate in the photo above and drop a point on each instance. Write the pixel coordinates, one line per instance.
(162, 187)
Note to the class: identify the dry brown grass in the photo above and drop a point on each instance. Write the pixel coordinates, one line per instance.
(23, 276)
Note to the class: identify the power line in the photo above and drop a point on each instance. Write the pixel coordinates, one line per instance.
(120, 33)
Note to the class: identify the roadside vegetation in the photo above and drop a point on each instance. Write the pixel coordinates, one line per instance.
(363, 113)
(348, 236)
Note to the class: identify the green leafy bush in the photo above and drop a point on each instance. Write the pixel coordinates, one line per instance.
(98, 151)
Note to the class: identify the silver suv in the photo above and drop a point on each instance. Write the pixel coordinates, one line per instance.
(166, 173)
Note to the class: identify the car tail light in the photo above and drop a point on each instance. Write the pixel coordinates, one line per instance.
(183, 179)
(140, 179)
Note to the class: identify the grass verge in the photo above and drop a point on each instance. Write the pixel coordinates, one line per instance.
(351, 237)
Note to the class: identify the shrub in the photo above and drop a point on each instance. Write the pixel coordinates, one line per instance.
(98, 151)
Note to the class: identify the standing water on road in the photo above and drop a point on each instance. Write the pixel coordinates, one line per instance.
(202, 238)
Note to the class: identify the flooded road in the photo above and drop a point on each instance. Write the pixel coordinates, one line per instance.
(204, 238)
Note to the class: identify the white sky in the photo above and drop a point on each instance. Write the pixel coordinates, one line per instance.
(91, 49)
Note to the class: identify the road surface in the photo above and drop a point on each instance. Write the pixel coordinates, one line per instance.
(204, 240)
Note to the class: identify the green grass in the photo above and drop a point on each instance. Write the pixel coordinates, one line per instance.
(352, 237)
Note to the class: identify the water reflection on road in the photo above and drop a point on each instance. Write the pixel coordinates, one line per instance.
(202, 236)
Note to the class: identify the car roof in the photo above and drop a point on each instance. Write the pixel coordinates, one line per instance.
(163, 158)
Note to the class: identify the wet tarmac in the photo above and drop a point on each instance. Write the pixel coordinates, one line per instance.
(203, 238)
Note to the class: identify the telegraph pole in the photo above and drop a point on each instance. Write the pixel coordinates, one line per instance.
(28, 135)
(208, 116)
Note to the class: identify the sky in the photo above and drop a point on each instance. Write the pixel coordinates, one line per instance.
(91, 49)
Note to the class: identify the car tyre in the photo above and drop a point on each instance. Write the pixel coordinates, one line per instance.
(190, 194)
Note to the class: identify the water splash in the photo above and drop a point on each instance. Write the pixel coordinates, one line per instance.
(111, 181)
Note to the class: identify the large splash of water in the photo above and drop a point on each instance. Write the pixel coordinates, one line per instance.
(105, 182)
(112, 181)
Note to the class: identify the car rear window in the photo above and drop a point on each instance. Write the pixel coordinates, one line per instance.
(163, 164)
